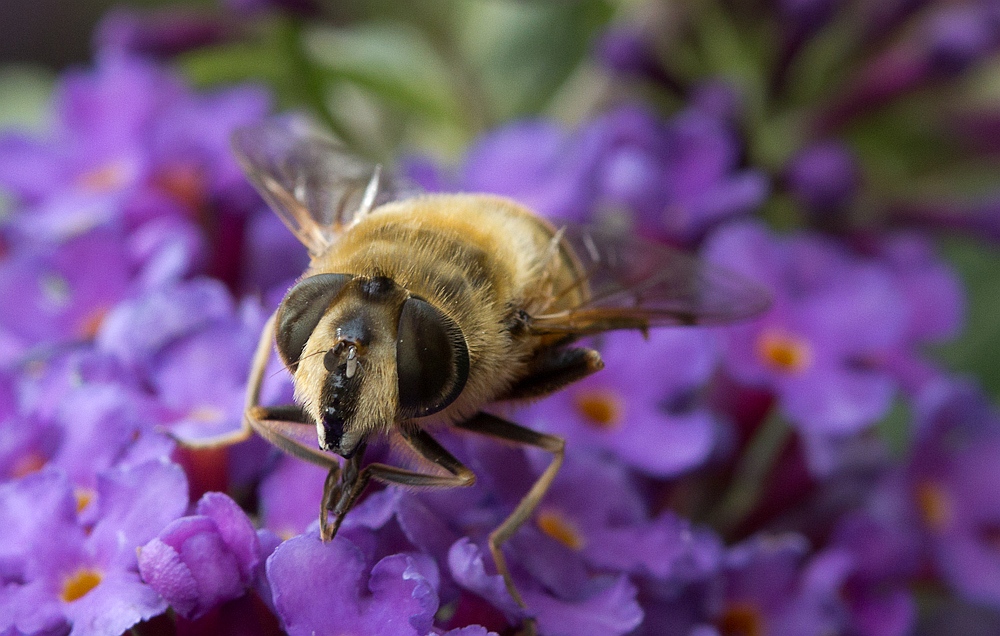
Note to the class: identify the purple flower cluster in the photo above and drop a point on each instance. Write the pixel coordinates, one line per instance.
(672, 180)
(717, 480)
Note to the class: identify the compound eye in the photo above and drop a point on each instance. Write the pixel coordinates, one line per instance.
(432, 359)
(301, 311)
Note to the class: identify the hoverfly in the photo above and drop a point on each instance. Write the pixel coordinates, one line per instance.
(419, 310)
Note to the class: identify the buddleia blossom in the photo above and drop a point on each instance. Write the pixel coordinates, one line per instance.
(813, 470)
(674, 178)
(199, 561)
(61, 573)
(832, 318)
(663, 428)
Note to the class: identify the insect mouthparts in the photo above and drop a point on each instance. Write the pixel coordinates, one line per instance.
(332, 359)
(340, 395)
(333, 427)
(352, 362)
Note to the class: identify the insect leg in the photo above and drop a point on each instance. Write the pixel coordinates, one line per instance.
(291, 430)
(260, 358)
(554, 371)
(487, 424)
(352, 482)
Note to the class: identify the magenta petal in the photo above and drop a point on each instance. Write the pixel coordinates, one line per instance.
(667, 445)
(134, 505)
(315, 584)
(234, 527)
(838, 401)
(408, 584)
(290, 495)
(470, 630)
(611, 612)
(200, 561)
(161, 567)
(318, 587)
(119, 602)
(137, 329)
(465, 560)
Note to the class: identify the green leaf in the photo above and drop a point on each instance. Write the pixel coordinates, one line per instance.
(524, 51)
(894, 429)
(26, 94)
(263, 59)
(392, 61)
(978, 348)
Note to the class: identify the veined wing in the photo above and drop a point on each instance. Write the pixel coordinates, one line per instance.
(315, 185)
(634, 283)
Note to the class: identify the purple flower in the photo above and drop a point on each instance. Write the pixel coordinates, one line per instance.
(705, 185)
(104, 426)
(884, 556)
(273, 257)
(627, 51)
(641, 409)
(935, 305)
(64, 292)
(192, 346)
(605, 606)
(139, 328)
(570, 583)
(770, 587)
(161, 34)
(290, 495)
(805, 17)
(317, 585)
(824, 178)
(960, 36)
(201, 378)
(676, 178)
(933, 290)
(954, 485)
(949, 40)
(819, 347)
(197, 562)
(534, 162)
(59, 573)
(82, 414)
(608, 525)
(132, 145)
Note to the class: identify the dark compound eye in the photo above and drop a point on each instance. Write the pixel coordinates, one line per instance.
(301, 311)
(432, 359)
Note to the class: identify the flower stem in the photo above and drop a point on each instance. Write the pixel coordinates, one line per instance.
(751, 471)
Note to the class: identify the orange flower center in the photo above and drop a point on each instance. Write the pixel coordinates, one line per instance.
(784, 351)
(27, 464)
(602, 408)
(559, 528)
(92, 322)
(106, 178)
(79, 584)
(934, 505)
(185, 184)
(741, 619)
(83, 498)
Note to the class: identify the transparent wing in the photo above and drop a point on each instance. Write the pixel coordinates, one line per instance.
(315, 185)
(632, 283)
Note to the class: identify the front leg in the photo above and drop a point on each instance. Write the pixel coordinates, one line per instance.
(340, 495)
(261, 356)
(487, 424)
